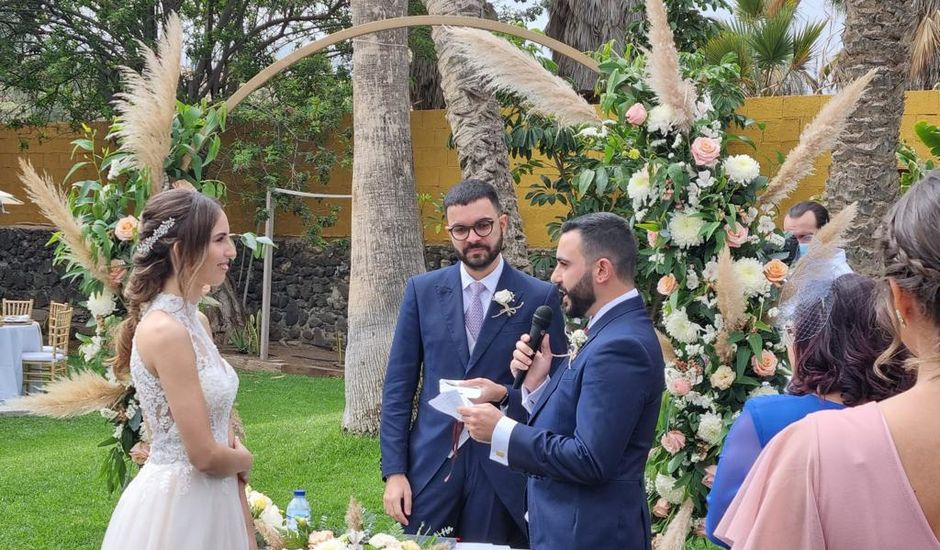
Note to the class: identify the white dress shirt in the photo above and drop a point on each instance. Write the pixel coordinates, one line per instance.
(499, 444)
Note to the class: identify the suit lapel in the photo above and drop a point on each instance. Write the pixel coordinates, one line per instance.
(493, 325)
(451, 296)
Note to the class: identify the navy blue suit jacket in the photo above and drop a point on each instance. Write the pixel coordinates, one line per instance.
(588, 438)
(430, 338)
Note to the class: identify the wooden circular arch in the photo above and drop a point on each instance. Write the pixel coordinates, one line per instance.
(397, 23)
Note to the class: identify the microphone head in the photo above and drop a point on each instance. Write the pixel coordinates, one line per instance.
(542, 317)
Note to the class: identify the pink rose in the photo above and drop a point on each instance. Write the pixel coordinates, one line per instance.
(651, 237)
(636, 115)
(667, 285)
(706, 151)
(125, 228)
(140, 452)
(673, 441)
(661, 508)
(709, 478)
(680, 386)
(116, 272)
(766, 366)
(737, 236)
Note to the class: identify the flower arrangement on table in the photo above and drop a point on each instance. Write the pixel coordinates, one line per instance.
(359, 534)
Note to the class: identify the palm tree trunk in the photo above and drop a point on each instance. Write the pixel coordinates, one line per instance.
(387, 247)
(478, 127)
(877, 35)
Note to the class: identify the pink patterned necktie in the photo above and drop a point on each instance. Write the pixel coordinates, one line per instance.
(474, 318)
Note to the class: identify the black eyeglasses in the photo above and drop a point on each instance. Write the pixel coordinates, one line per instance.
(482, 228)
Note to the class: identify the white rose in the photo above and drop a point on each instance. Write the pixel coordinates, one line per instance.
(272, 516)
(741, 168)
(638, 188)
(750, 272)
(258, 502)
(722, 378)
(709, 428)
(685, 230)
(382, 540)
(660, 119)
(101, 304)
(503, 297)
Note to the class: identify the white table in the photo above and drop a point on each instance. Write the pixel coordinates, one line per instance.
(14, 340)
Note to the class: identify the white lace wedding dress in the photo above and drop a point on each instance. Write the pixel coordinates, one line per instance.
(170, 504)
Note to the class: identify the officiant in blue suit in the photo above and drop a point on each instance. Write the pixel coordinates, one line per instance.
(460, 322)
(592, 421)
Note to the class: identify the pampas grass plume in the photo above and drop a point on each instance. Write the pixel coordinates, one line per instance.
(502, 66)
(825, 246)
(80, 393)
(731, 301)
(354, 515)
(663, 74)
(674, 538)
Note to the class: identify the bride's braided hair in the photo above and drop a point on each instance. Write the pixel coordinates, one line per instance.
(178, 216)
(910, 245)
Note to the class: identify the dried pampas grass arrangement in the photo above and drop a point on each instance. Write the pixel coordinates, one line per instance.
(54, 205)
(663, 74)
(674, 537)
(503, 66)
(731, 300)
(819, 136)
(354, 515)
(78, 394)
(819, 260)
(148, 106)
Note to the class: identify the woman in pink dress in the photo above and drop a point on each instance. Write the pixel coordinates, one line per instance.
(866, 477)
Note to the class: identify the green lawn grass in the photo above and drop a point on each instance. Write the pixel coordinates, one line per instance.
(50, 496)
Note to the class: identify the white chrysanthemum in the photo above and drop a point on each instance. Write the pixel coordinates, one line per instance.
(722, 378)
(741, 168)
(639, 188)
(686, 229)
(381, 540)
(666, 487)
(101, 304)
(751, 274)
(709, 428)
(763, 389)
(660, 119)
(681, 328)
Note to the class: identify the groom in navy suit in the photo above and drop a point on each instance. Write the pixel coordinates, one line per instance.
(592, 419)
(450, 326)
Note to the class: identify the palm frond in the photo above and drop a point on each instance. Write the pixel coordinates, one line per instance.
(502, 66)
(148, 104)
(54, 205)
(805, 43)
(818, 137)
(78, 394)
(926, 44)
(663, 74)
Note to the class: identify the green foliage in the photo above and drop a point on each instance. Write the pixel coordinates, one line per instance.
(690, 27)
(914, 168)
(247, 339)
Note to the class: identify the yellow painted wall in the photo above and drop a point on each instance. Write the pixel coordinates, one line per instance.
(436, 167)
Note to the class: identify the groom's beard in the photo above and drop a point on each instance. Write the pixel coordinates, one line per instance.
(479, 256)
(580, 297)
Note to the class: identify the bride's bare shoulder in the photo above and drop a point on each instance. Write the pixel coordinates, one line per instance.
(160, 332)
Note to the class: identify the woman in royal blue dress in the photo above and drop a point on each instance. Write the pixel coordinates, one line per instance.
(832, 343)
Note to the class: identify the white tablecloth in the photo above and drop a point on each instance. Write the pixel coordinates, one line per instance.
(14, 340)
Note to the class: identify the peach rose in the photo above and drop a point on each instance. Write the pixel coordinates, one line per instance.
(766, 366)
(636, 115)
(140, 452)
(667, 285)
(776, 271)
(651, 237)
(709, 478)
(661, 508)
(737, 236)
(125, 228)
(706, 151)
(673, 441)
(116, 272)
(680, 386)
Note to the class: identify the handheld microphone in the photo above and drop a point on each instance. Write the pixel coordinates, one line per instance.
(540, 323)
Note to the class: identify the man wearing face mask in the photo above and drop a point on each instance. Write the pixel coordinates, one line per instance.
(459, 323)
(591, 420)
(802, 221)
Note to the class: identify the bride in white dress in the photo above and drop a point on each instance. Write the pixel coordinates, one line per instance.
(190, 493)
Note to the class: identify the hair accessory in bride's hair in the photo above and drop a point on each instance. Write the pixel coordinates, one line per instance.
(143, 248)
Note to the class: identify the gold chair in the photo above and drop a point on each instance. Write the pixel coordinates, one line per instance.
(44, 366)
(54, 309)
(17, 307)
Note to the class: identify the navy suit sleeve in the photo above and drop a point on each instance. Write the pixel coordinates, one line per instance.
(614, 392)
(401, 383)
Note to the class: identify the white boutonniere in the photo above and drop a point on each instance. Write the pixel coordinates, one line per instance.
(505, 298)
(576, 339)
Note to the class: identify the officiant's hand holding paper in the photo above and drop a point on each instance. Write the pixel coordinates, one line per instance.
(490, 392)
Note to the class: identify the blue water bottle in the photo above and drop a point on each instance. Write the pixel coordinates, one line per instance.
(298, 509)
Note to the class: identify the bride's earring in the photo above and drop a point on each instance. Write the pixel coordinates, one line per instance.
(897, 313)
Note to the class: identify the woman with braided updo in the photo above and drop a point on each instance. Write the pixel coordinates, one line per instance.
(190, 493)
(864, 477)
